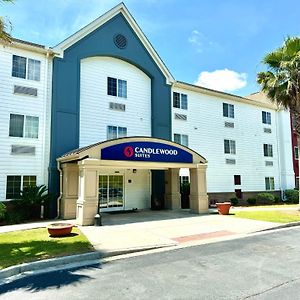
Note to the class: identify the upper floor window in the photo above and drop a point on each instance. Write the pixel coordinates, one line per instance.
(116, 87)
(26, 68)
(266, 117)
(268, 150)
(270, 183)
(115, 132)
(181, 139)
(23, 126)
(229, 147)
(180, 100)
(228, 110)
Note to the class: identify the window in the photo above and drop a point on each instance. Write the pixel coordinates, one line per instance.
(122, 88)
(268, 150)
(180, 100)
(184, 179)
(34, 69)
(19, 66)
(26, 68)
(237, 179)
(228, 110)
(13, 187)
(229, 147)
(238, 193)
(116, 87)
(16, 126)
(29, 181)
(114, 132)
(16, 183)
(266, 117)
(296, 153)
(181, 139)
(270, 184)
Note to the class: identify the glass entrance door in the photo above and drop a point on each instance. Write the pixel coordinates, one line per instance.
(111, 190)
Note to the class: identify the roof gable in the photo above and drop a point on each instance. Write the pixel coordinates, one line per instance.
(120, 8)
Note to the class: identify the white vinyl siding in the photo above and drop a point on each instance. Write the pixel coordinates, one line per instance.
(23, 105)
(95, 112)
(206, 130)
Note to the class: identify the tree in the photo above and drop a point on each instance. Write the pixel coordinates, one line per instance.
(4, 25)
(281, 81)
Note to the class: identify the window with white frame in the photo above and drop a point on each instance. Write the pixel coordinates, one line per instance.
(116, 87)
(270, 183)
(181, 139)
(180, 100)
(266, 117)
(229, 147)
(296, 153)
(16, 183)
(115, 132)
(23, 67)
(23, 126)
(268, 150)
(228, 110)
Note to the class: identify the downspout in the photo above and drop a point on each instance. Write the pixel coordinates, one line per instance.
(279, 152)
(60, 189)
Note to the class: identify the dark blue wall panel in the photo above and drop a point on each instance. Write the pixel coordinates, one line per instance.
(66, 87)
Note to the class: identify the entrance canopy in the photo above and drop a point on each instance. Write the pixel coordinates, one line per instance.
(138, 153)
(115, 175)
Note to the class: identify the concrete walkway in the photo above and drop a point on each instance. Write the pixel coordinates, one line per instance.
(132, 231)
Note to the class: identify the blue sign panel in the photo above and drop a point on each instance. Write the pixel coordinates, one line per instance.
(146, 151)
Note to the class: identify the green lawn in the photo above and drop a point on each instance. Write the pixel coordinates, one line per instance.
(29, 245)
(278, 216)
(275, 206)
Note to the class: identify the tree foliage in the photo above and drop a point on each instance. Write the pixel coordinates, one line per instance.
(5, 26)
(281, 82)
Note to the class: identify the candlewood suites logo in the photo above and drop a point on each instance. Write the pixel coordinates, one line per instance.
(130, 151)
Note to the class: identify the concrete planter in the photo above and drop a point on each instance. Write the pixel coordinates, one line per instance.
(223, 208)
(59, 229)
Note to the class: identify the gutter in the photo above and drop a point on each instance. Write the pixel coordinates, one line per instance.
(60, 189)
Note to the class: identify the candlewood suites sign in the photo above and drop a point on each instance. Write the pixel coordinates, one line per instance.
(146, 151)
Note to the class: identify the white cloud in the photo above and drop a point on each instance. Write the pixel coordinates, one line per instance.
(196, 39)
(222, 80)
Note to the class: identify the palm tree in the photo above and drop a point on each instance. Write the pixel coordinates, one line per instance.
(4, 26)
(281, 81)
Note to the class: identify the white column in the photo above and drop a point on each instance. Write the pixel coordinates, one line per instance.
(87, 203)
(69, 190)
(198, 195)
(172, 188)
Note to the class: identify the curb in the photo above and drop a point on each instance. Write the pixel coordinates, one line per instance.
(287, 225)
(86, 258)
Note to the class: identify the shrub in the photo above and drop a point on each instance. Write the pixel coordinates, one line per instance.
(251, 201)
(28, 206)
(277, 199)
(265, 198)
(2, 210)
(292, 196)
(234, 201)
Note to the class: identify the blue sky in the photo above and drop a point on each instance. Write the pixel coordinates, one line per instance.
(216, 43)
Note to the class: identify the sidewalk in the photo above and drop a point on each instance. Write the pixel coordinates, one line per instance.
(128, 232)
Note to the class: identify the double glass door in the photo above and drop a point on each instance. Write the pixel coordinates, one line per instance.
(111, 191)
